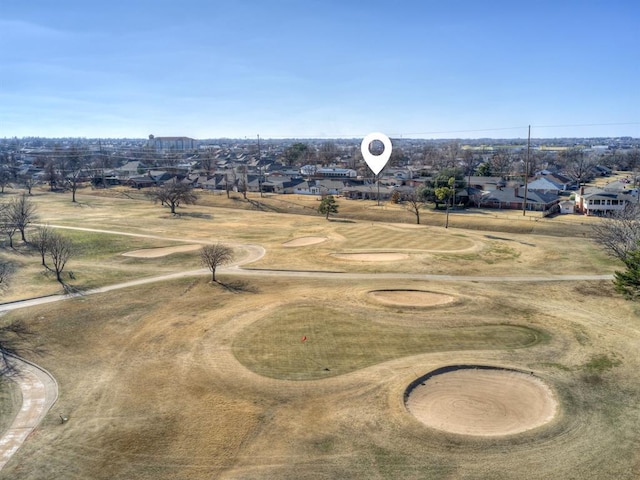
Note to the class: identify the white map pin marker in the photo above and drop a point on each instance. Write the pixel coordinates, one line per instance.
(376, 162)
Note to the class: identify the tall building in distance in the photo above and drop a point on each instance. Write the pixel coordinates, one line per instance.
(179, 144)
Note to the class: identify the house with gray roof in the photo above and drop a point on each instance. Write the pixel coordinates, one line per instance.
(514, 198)
(597, 201)
(544, 184)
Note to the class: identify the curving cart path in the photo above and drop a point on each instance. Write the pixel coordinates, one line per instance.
(39, 393)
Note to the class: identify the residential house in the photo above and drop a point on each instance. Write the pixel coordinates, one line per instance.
(561, 181)
(513, 198)
(151, 179)
(319, 187)
(307, 187)
(368, 192)
(314, 171)
(596, 201)
(140, 181)
(131, 169)
(544, 184)
(280, 184)
(486, 183)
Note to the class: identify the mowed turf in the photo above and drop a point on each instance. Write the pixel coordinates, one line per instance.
(188, 379)
(311, 341)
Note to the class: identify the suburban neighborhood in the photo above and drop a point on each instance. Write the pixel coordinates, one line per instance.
(550, 176)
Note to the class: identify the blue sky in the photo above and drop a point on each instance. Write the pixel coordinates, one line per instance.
(319, 68)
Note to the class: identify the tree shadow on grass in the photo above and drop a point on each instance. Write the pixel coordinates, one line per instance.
(238, 286)
(205, 216)
(73, 289)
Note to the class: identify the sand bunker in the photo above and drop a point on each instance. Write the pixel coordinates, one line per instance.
(161, 252)
(372, 257)
(411, 298)
(481, 401)
(304, 241)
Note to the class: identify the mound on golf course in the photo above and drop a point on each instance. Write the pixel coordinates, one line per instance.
(411, 298)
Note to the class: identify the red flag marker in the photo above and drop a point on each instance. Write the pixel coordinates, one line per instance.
(304, 338)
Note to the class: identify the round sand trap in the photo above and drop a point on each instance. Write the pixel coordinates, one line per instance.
(303, 241)
(161, 252)
(411, 298)
(481, 401)
(372, 257)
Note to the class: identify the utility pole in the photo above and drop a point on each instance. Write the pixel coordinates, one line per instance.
(526, 173)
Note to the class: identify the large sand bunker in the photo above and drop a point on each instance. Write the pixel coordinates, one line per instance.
(304, 241)
(372, 256)
(161, 252)
(482, 401)
(411, 298)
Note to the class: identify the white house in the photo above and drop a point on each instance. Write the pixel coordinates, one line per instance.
(595, 201)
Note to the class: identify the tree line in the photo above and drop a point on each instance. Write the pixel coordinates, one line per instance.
(54, 249)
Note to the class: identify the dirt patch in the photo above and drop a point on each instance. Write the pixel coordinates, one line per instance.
(304, 241)
(161, 252)
(411, 298)
(372, 257)
(481, 401)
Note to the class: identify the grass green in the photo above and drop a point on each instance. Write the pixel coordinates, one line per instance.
(340, 341)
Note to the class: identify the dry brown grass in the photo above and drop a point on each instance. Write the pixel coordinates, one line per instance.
(185, 379)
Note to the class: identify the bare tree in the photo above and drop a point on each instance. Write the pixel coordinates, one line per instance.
(21, 212)
(213, 256)
(578, 165)
(398, 157)
(327, 153)
(7, 225)
(173, 194)
(27, 182)
(619, 232)
(6, 269)
(60, 249)
(450, 153)
(502, 163)
(430, 155)
(414, 201)
(227, 186)
(469, 165)
(41, 242)
(243, 182)
(51, 175)
(5, 179)
(74, 165)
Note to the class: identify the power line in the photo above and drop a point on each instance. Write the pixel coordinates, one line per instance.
(409, 135)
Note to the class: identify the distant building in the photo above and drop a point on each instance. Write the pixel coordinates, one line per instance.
(178, 144)
(313, 171)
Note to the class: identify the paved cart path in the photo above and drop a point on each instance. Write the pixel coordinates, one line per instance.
(39, 392)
